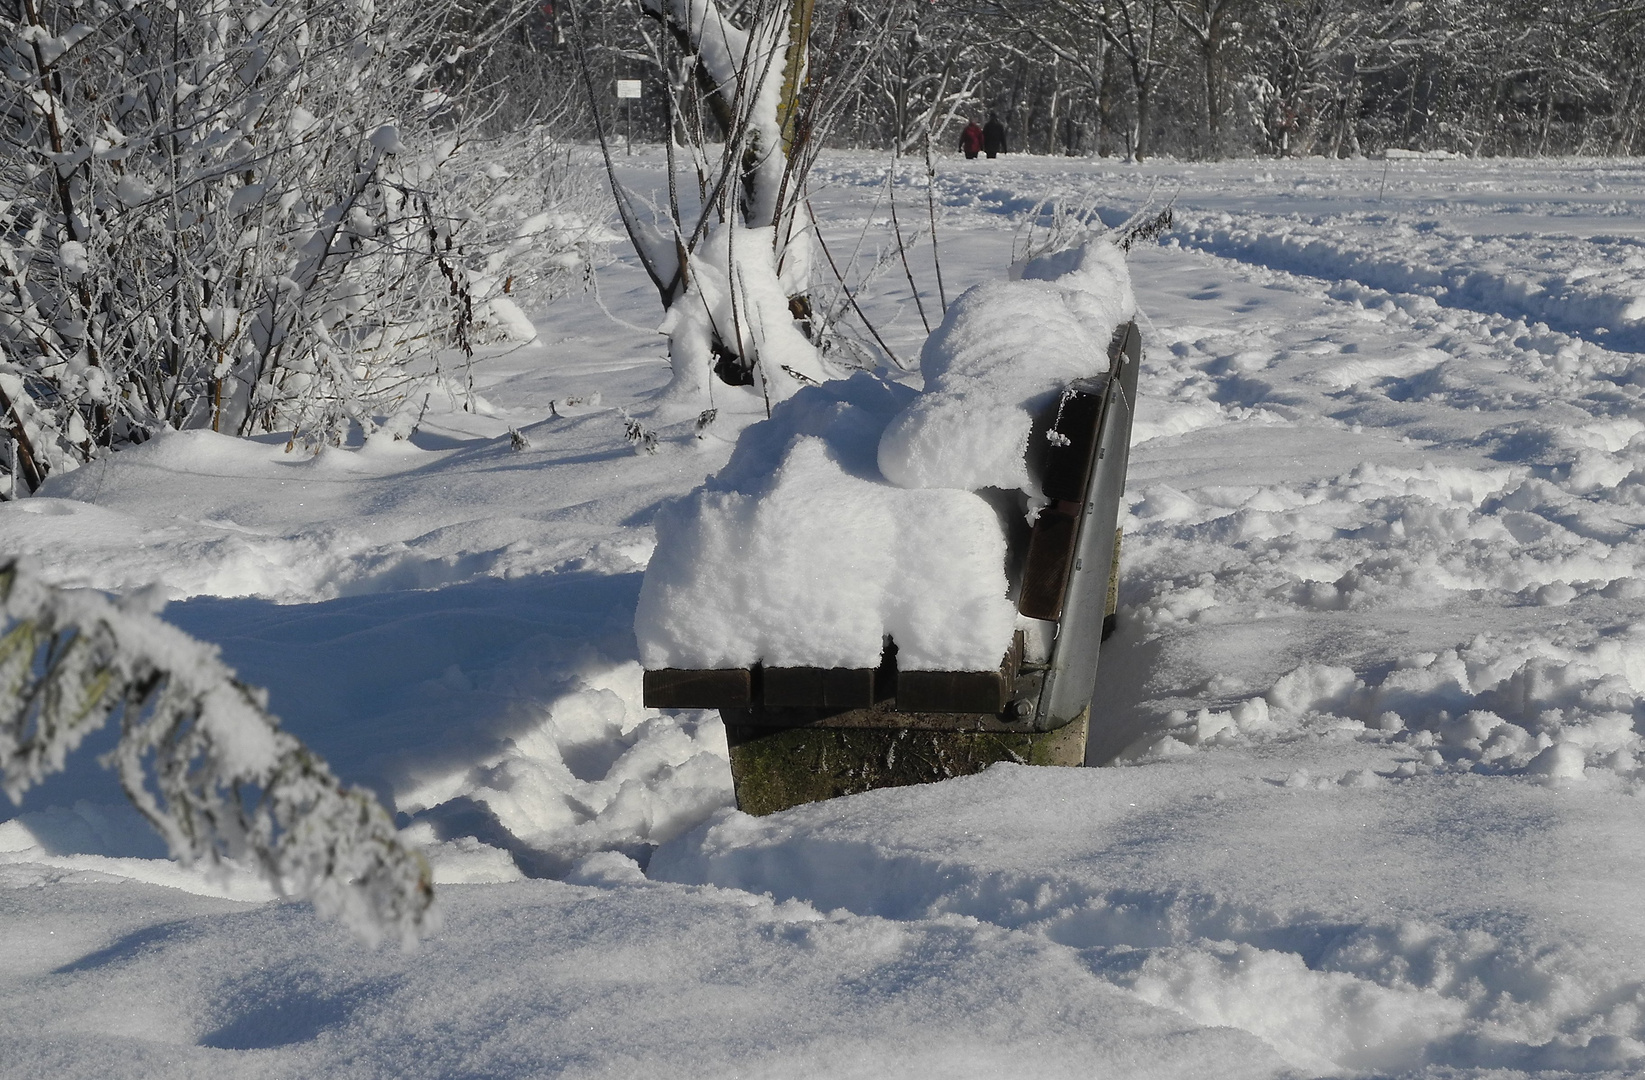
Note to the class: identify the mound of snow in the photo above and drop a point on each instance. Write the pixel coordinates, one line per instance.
(852, 514)
(812, 559)
(1000, 357)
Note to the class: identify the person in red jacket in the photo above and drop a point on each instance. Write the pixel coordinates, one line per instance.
(971, 139)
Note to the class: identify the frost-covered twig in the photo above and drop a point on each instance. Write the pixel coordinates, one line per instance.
(642, 438)
(1145, 224)
(931, 209)
(1068, 228)
(902, 251)
(256, 218)
(199, 755)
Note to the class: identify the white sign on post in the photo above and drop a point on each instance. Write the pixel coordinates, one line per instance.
(628, 88)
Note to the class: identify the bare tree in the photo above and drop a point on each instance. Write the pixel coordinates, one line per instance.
(1139, 31)
(732, 266)
(1208, 24)
(1072, 34)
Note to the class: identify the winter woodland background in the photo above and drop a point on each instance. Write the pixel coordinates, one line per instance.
(1200, 79)
(260, 219)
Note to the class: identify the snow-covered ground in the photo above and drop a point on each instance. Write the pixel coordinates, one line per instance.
(1374, 706)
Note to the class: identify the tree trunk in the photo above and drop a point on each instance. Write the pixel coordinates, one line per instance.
(1213, 103)
(1106, 105)
(1547, 117)
(1140, 146)
(794, 71)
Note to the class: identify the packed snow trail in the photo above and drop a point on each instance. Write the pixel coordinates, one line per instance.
(1581, 286)
(1456, 232)
(1373, 702)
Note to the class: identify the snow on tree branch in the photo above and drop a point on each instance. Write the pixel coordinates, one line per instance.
(199, 755)
(259, 218)
(734, 271)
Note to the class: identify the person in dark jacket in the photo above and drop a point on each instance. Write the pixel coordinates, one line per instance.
(971, 139)
(993, 136)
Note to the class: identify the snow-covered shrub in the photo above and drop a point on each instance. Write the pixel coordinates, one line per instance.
(199, 754)
(529, 218)
(247, 216)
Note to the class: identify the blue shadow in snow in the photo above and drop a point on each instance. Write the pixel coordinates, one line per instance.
(289, 1007)
(390, 688)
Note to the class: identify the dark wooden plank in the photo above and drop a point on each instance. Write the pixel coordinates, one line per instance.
(1066, 472)
(977, 692)
(845, 688)
(952, 691)
(1073, 438)
(792, 686)
(849, 688)
(690, 688)
(925, 691)
(1045, 571)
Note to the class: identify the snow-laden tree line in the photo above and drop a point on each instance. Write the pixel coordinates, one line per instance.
(1197, 78)
(260, 217)
(301, 219)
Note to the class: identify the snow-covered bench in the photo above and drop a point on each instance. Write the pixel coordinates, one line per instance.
(860, 591)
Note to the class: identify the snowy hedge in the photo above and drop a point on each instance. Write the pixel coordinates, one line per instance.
(250, 217)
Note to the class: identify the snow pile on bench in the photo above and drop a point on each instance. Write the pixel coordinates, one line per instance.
(853, 513)
(799, 554)
(999, 359)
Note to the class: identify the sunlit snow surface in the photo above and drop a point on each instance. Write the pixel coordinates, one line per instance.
(1374, 698)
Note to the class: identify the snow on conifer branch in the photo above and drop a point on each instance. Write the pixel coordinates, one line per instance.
(199, 754)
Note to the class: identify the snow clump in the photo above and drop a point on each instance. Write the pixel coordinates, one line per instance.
(853, 513)
(1004, 352)
(798, 553)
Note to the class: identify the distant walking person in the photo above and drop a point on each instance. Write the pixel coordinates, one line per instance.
(971, 139)
(993, 136)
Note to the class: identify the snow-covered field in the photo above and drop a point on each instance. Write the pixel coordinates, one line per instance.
(1376, 804)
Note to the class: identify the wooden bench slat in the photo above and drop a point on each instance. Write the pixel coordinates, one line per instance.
(693, 688)
(1045, 570)
(844, 688)
(1067, 471)
(952, 691)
